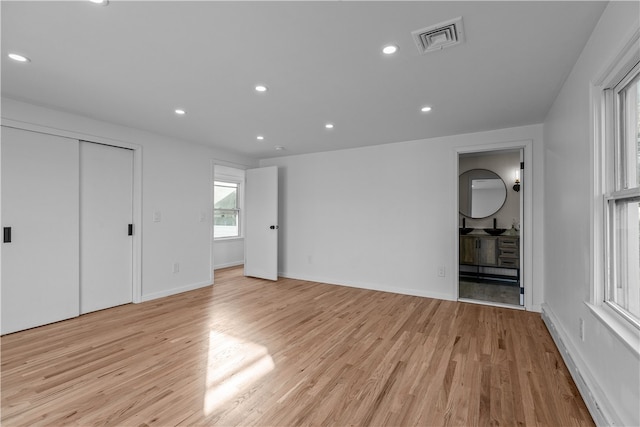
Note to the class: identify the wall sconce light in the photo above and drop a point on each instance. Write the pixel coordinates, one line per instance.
(516, 186)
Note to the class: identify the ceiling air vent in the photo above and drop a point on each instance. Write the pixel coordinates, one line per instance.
(439, 36)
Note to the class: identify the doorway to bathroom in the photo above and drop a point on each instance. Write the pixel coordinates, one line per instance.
(490, 204)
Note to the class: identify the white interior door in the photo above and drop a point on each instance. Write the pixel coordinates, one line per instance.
(40, 207)
(106, 210)
(261, 223)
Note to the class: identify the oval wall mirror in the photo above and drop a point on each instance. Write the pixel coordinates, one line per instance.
(482, 193)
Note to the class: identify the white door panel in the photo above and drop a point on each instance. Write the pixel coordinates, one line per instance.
(261, 223)
(106, 210)
(40, 203)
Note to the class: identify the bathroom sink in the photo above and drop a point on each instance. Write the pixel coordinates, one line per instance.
(495, 231)
(465, 230)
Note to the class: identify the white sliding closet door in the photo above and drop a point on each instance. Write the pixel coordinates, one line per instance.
(106, 210)
(40, 212)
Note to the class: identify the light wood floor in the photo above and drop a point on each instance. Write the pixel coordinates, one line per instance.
(253, 352)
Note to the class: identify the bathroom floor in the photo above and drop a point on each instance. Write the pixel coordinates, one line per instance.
(500, 292)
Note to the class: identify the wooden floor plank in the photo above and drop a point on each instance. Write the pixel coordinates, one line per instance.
(252, 352)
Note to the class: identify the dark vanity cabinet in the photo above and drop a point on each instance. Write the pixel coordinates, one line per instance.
(490, 257)
(479, 250)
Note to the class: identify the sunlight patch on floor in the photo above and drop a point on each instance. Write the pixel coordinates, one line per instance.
(233, 365)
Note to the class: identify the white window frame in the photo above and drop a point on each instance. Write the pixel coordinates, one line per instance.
(225, 173)
(237, 210)
(603, 191)
(615, 166)
(611, 279)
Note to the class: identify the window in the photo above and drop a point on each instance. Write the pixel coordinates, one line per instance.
(622, 198)
(226, 209)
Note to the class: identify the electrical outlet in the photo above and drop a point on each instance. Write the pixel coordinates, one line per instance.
(157, 216)
(176, 267)
(441, 271)
(581, 332)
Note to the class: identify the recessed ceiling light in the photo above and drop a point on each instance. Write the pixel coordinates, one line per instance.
(261, 88)
(259, 137)
(100, 2)
(279, 147)
(329, 126)
(180, 112)
(425, 109)
(18, 57)
(390, 49)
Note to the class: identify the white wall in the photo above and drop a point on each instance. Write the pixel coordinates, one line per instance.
(176, 181)
(228, 253)
(609, 368)
(385, 217)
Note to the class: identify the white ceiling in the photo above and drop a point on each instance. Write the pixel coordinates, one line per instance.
(133, 63)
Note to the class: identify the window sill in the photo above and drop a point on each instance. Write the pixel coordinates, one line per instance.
(227, 239)
(626, 332)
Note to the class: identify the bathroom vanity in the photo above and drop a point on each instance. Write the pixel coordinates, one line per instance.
(490, 257)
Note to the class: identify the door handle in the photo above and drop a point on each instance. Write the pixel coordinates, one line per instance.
(274, 227)
(7, 235)
(130, 230)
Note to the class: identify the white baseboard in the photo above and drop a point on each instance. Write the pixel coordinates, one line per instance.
(175, 291)
(597, 402)
(228, 264)
(366, 285)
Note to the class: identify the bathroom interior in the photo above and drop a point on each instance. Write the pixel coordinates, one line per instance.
(490, 206)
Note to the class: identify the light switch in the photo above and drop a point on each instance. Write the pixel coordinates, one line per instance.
(157, 216)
